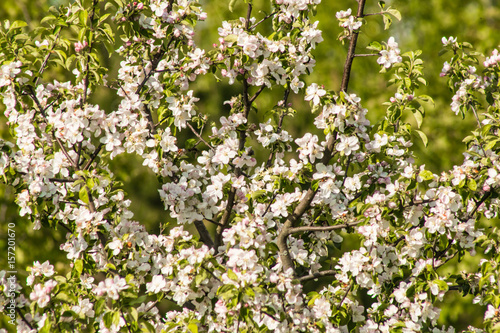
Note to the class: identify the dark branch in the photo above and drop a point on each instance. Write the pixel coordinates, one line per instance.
(313, 276)
(204, 234)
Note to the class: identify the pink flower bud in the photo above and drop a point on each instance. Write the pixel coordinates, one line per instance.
(80, 46)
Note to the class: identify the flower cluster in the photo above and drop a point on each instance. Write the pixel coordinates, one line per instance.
(349, 22)
(390, 55)
(281, 202)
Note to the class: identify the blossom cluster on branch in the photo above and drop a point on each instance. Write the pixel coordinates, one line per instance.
(266, 228)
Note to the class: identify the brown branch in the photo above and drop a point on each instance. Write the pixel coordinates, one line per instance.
(322, 228)
(211, 221)
(265, 18)
(257, 94)
(479, 203)
(43, 66)
(351, 51)
(22, 317)
(204, 234)
(348, 290)
(154, 63)
(199, 136)
(210, 272)
(87, 76)
(243, 135)
(280, 124)
(60, 180)
(42, 112)
(366, 54)
(371, 14)
(151, 123)
(303, 206)
(249, 13)
(93, 157)
(313, 276)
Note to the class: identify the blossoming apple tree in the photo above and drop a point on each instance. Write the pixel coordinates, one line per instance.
(266, 228)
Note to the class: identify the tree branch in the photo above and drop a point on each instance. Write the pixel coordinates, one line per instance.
(204, 234)
(322, 228)
(351, 51)
(265, 18)
(301, 208)
(243, 135)
(313, 276)
(86, 80)
(198, 135)
(93, 157)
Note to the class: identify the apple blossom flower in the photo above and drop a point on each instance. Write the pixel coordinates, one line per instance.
(79, 46)
(314, 93)
(347, 144)
(391, 55)
(448, 41)
(9, 72)
(156, 285)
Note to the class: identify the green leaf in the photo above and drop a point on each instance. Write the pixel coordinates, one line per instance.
(375, 46)
(108, 5)
(63, 297)
(231, 5)
(83, 194)
(232, 275)
(116, 318)
(422, 80)
(387, 21)
(47, 327)
(103, 18)
(134, 314)
(192, 327)
(418, 118)
(78, 266)
(48, 19)
(190, 143)
(426, 175)
(231, 38)
(257, 194)
(83, 15)
(395, 13)
(423, 137)
(472, 185)
(17, 25)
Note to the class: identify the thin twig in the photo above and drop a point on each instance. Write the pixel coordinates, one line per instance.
(87, 76)
(348, 290)
(265, 18)
(93, 157)
(24, 319)
(256, 94)
(322, 228)
(42, 67)
(198, 135)
(316, 275)
(371, 14)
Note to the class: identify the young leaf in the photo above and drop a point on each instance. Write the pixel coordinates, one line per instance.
(423, 137)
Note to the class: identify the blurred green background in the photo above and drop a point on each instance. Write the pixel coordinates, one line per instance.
(422, 27)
